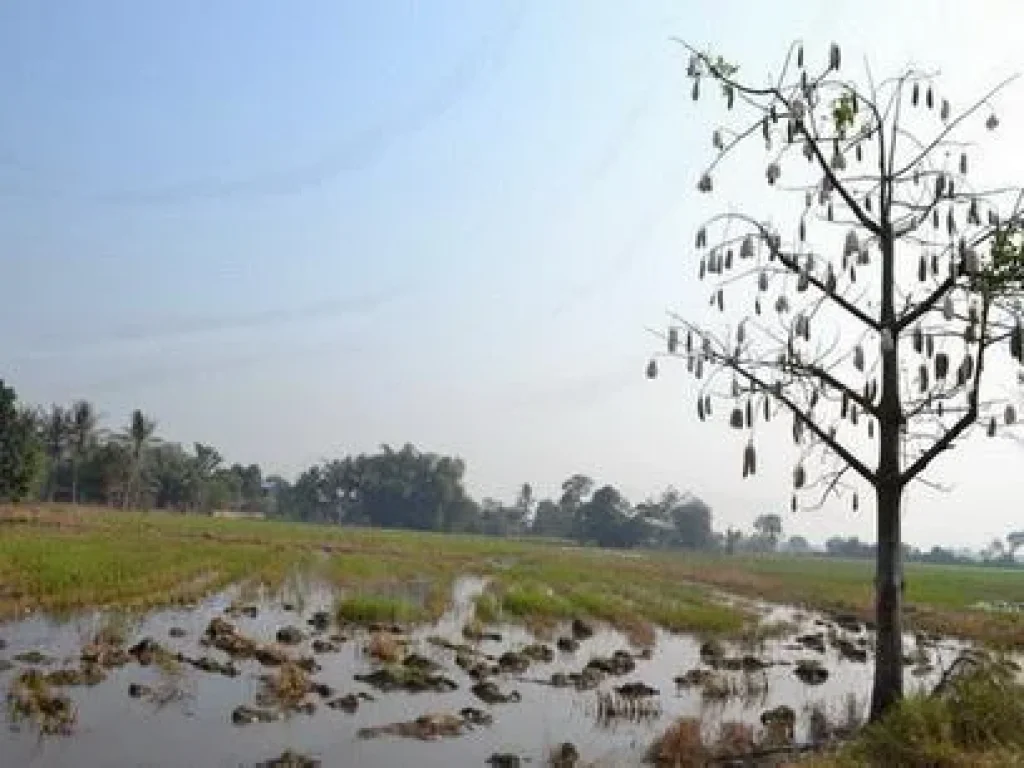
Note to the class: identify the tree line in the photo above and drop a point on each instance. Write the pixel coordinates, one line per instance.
(62, 454)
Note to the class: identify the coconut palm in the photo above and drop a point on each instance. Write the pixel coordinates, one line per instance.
(55, 425)
(138, 438)
(82, 437)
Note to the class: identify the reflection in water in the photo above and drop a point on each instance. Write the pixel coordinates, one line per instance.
(182, 716)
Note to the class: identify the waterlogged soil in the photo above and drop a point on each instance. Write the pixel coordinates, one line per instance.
(185, 718)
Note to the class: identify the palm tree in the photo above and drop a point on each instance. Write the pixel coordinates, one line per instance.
(138, 438)
(55, 431)
(82, 436)
(205, 464)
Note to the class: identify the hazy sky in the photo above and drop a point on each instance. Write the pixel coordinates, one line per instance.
(297, 230)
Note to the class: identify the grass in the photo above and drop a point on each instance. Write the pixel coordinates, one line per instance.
(55, 557)
(975, 722)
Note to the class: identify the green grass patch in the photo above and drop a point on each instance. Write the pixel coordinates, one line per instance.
(369, 609)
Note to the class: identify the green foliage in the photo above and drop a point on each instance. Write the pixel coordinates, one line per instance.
(21, 460)
(844, 111)
(367, 609)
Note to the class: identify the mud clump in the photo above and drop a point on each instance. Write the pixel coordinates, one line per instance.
(246, 715)
(87, 674)
(694, 678)
(209, 665)
(478, 634)
(326, 646)
(386, 646)
(397, 677)
(781, 721)
(619, 663)
(504, 760)
(223, 636)
(489, 693)
(565, 755)
(33, 657)
(511, 661)
(429, 727)
(138, 690)
(475, 716)
(851, 651)
(848, 622)
(568, 644)
(31, 698)
(176, 632)
(814, 641)
(581, 630)
(349, 702)
(106, 655)
(289, 759)
(6, 666)
(147, 651)
(811, 672)
(290, 636)
(539, 652)
(636, 690)
(320, 621)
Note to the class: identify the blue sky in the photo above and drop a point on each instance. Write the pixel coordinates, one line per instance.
(296, 230)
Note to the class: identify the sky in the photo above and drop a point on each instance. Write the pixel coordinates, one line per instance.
(300, 230)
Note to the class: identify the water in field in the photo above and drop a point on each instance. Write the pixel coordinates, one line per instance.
(192, 725)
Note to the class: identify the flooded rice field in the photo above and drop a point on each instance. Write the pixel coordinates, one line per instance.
(238, 679)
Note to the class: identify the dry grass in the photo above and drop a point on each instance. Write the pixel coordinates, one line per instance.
(680, 746)
(386, 647)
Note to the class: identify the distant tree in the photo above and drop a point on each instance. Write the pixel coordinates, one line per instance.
(82, 425)
(600, 520)
(21, 457)
(798, 545)
(913, 297)
(552, 520)
(56, 430)
(575, 491)
(138, 438)
(733, 537)
(1014, 541)
(769, 527)
(524, 503)
(994, 552)
(693, 521)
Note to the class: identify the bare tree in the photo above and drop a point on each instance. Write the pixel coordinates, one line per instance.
(871, 316)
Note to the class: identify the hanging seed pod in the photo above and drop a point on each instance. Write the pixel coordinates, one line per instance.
(703, 269)
(730, 96)
(700, 409)
(941, 365)
(1017, 342)
(858, 153)
(728, 259)
(707, 404)
(767, 409)
(867, 203)
(736, 393)
(871, 428)
(772, 172)
(944, 110)
(851, 245)
(929, 345)
(799, 476)
(856, 502)
(721, 301)
(844, 407)
(757, 306)
(749, 460)
(838, 161)
(922, 378)
(830, 212)
(1010, 415)
(747, 248)
(947, 308)
(741, 332)
(992, 123)
(935, 219)
(858, 357)
(830, 280)
(950, 223)
(939, 409)
(803, 281)
(935, 264)
(652, 369)
(864, 256)
(973, 216)
(874, 389)
(716, 140)
(963, 163)
(673, 340)
(854, 414)
(834, 56)
(961, 378)
(704, 185)
(800, 56)
(918, 338)
(792, 503)
(969, 333)
(689, 341)
(951, 189)
(929, 98)
(689, 364)
(749, 414)
(698, 370)
(736, 418)
(853, 274)
(992, 427)
(695, 93)
(814, 399)
(922, 269)
(968, 367)
(782, 305)
(798, 430)
(803, 230)
(914, 95)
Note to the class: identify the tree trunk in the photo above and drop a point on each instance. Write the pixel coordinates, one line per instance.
(888, 687)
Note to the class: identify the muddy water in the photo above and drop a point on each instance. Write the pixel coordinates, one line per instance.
(196, 729)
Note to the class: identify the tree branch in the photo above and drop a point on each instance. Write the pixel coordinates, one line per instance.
(822, 435)
(967, 419)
